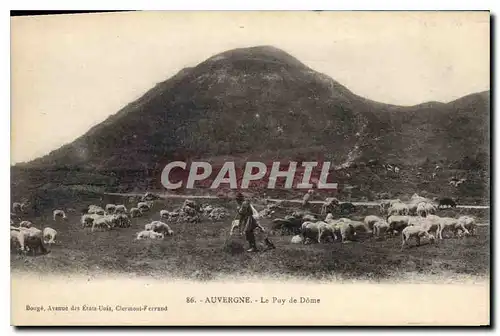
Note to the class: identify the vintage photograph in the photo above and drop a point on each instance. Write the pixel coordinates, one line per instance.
(314, 147)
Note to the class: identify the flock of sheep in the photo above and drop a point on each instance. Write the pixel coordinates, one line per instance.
(415, 219)
(25, 237)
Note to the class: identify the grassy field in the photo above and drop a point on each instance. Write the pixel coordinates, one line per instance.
(205, 251)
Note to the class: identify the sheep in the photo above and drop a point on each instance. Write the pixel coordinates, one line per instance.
(149, 196)
(342, 229)
(32, 239)
(386, 204)
(220, 213)
(120, 209)
(313, 230)
(397, 223)
(49, 235)
(466, 224)
(110, 208)
(380, 228)
(421, 209)
(164, 214)
(329, 205)
(88, 219)
(25, 224)
(400, 209)
(446, 223)
(371, 220)
(425, 208)
(16, 207)
(206, 208)
(17, 239)
(103, 222)
(19, 207)
(429, 223)
(95, 209)
(145, 206)
(135, 212)
(359, 227)
(149, 235)
(297, 239)
(329, 217)
(58, 214)
(190, 204)
(160, 227)
(416, 232)
(431, 208)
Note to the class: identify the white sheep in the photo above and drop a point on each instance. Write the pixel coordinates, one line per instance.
(19, 207)
(397, 223)
(25, 224)
(135, 212)
(429, 223)
(95, 209)
(58, 214)
(445, 224)
(416, 232)
(359, 227)
(398, 209)
(314, 231)
(164, 214)
(88, 219)
(466, 224)
(103, 222)
(329, 217)
(49, 235)
(371, 220)
(145, 206)
(149, 235)
(430, 208)
(342, 229)
(421, 209)
(110, 208)
(160, 227)
(380, 228)
(32, 239)
(120, 209)
(297, 239)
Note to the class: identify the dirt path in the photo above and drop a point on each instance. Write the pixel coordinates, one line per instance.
(368, 204)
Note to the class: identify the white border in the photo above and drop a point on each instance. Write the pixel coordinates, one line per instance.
(187, 5)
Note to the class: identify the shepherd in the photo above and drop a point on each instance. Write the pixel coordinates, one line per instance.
(247, 220)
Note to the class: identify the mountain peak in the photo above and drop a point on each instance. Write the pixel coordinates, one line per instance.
(263, 53)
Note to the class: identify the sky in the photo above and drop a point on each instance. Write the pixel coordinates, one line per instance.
(70, 72)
